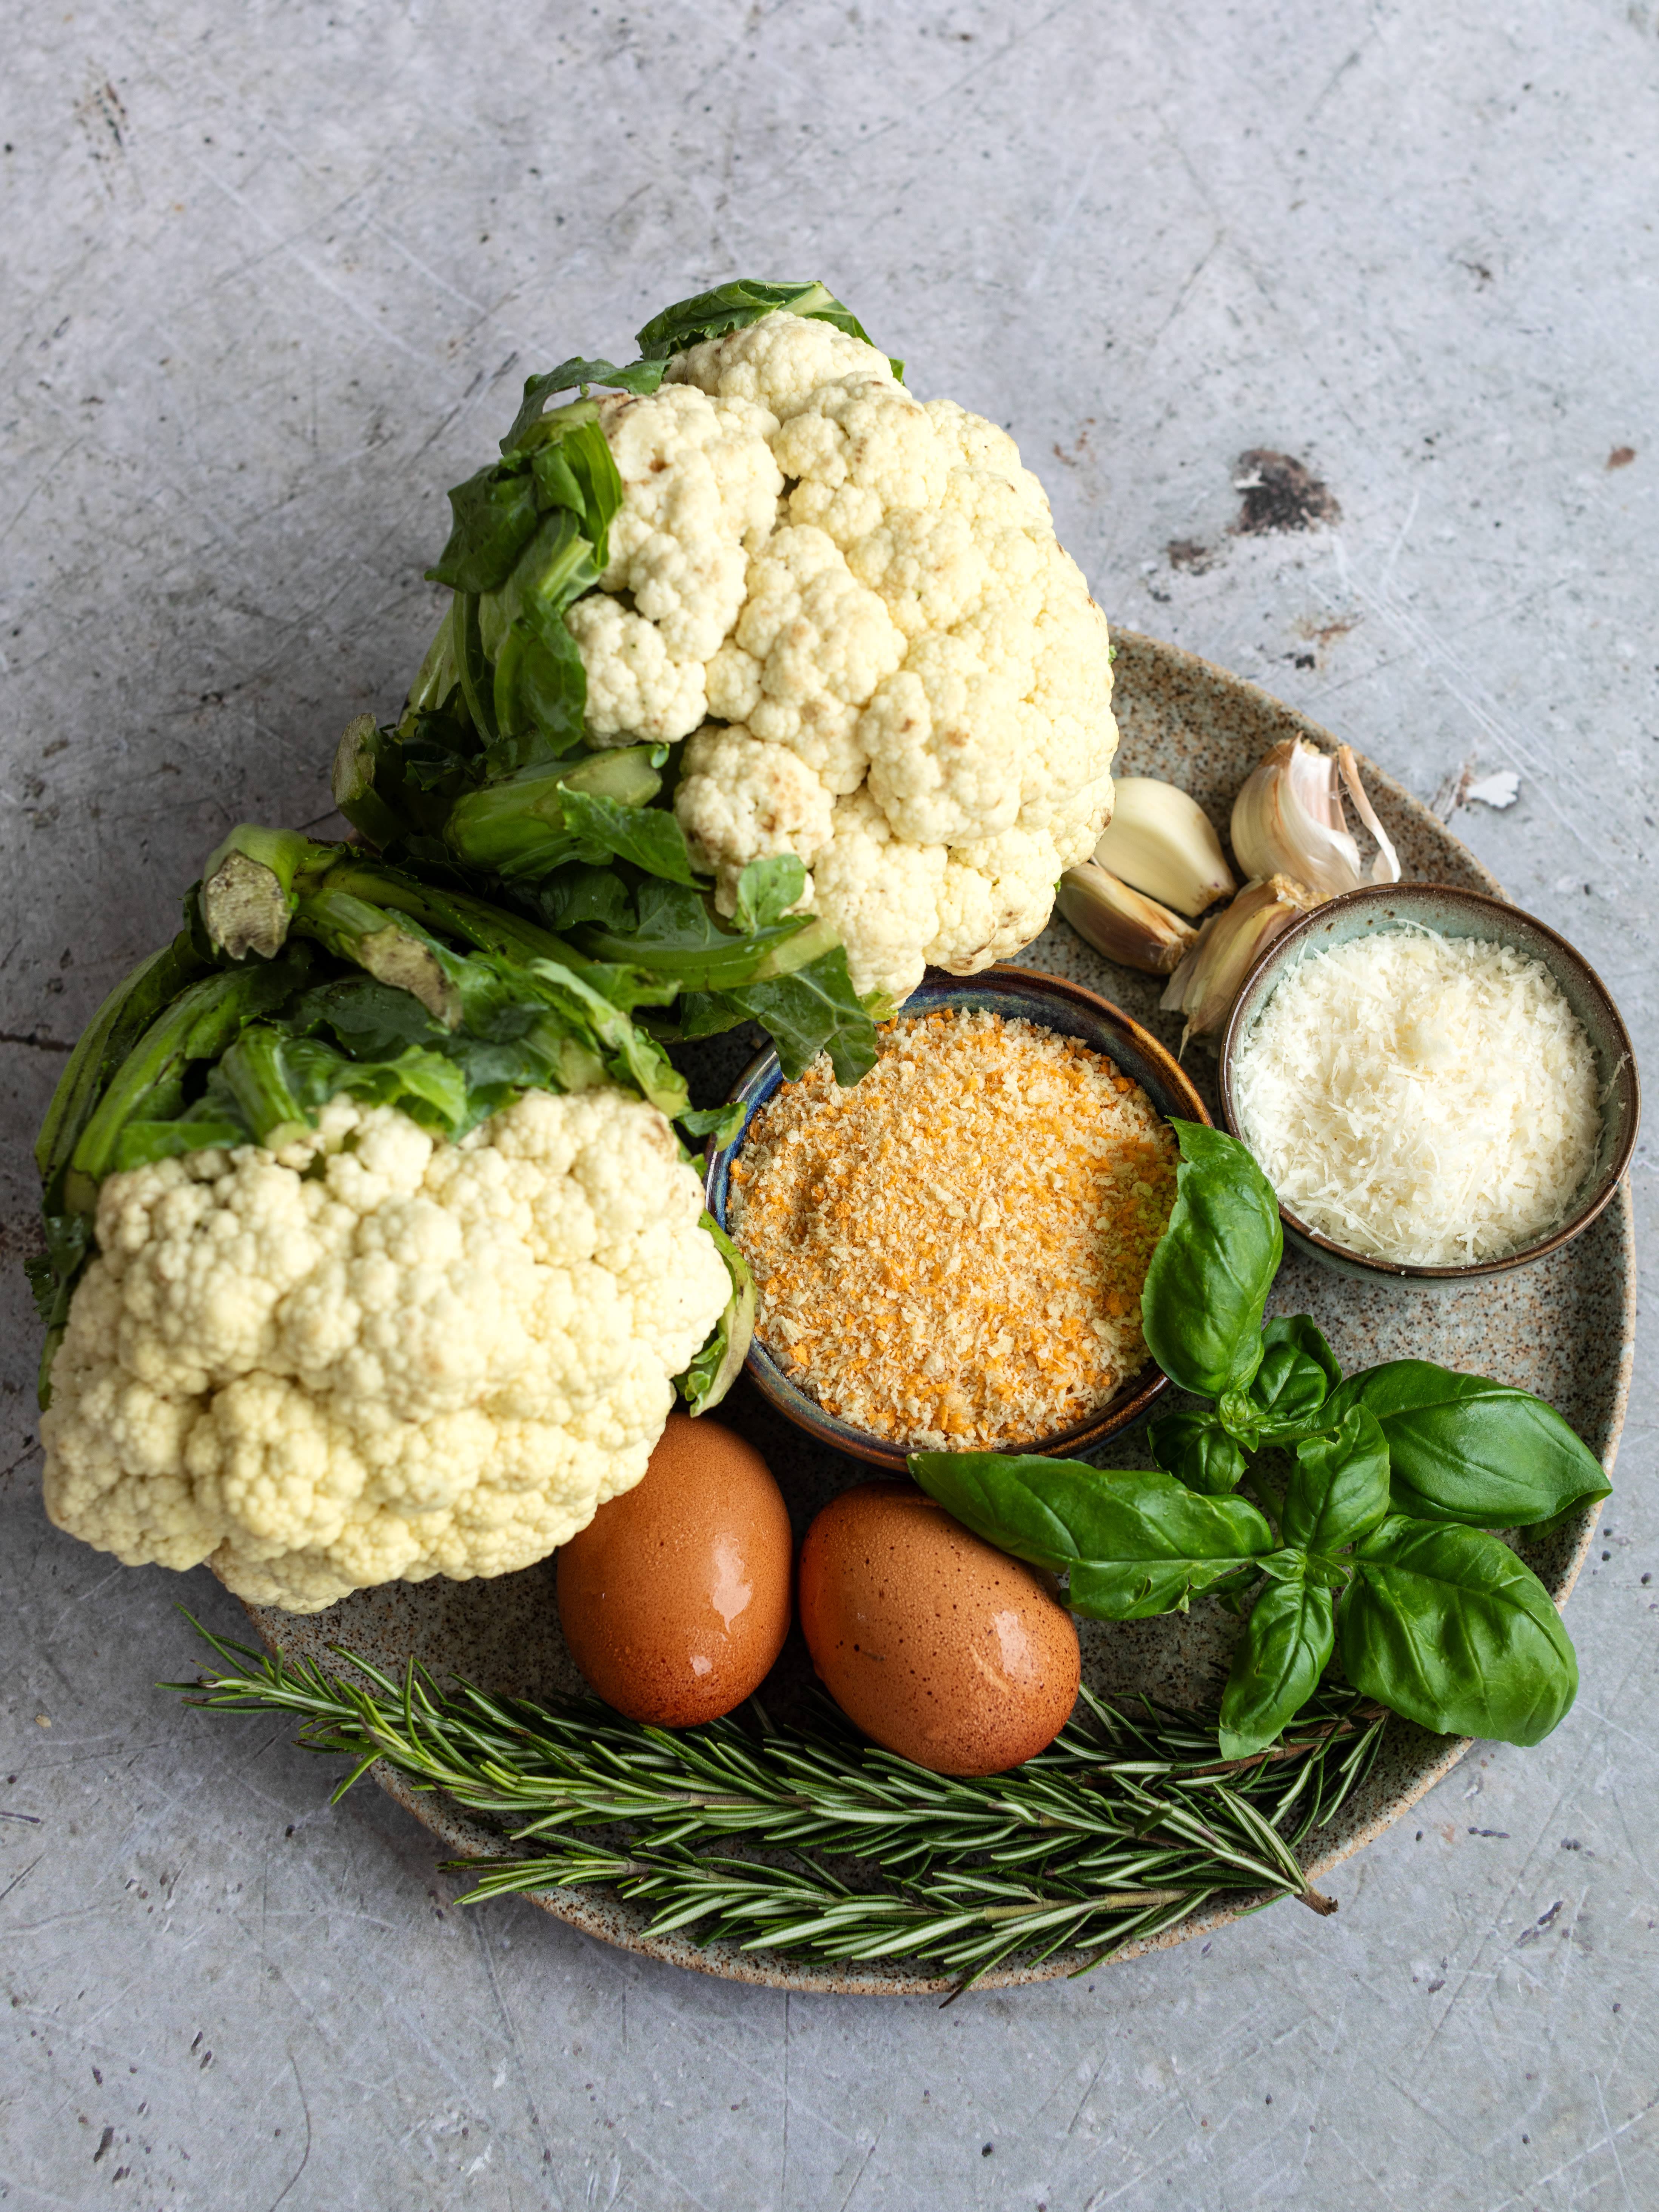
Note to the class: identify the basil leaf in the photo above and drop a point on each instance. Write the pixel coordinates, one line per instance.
(1339, 1491)
(1464, 1449)
(495, 518)
(649, 836)
(1136, 1543)
(1286, 1648)
(1297, 1369)
(1211, 1270)
(1445, 1625)
(1197, 1450)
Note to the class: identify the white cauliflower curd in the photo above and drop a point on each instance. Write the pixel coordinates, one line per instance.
(377, 1355)
(856, 607)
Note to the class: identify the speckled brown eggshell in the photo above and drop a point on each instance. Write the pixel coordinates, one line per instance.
(674, 1599)
(937, 1645)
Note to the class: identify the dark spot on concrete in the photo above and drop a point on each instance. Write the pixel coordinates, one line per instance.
(1302, 659)
(1188, 553)
(1319, 635)
(1280, 493)
(1621, 457)
(1481, 273)
(1079, 445)
(104, 2143)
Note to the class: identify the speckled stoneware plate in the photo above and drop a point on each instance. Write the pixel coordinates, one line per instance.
(1562, 1328)
(1053, 1002)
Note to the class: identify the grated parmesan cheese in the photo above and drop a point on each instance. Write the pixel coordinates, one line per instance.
(1424, 1099)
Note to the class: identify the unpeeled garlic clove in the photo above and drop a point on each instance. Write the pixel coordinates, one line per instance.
(1123, 923)
(1208, 980)
(1288, 820)
(1163, 842)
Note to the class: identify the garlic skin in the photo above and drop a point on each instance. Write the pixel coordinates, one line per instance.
(1163, 843)
(1208, 983)
(1385, 868)
(1133, 930)
(1288, 821)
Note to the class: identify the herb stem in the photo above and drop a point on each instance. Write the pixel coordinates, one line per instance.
(1123, 1828)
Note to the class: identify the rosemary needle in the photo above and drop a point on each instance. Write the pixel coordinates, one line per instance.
(816, 1845)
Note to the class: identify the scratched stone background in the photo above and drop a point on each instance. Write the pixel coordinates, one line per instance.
(272, 274)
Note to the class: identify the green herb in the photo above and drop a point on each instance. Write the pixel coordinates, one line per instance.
(815, 1844)
(1377, 1549)
(1208, 1285)
(1446, 1625)
(1463, 1448)
(1135, 1543)
(1197, 1450)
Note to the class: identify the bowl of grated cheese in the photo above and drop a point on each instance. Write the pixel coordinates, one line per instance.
(1438, 1086)
(948, 1255)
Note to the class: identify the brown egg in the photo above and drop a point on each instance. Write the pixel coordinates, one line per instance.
(937, 1645)
(674, 1599)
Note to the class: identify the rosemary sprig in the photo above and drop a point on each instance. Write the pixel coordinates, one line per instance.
(1122, 1827)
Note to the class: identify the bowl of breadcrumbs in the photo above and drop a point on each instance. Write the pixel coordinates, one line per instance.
(948, 1255)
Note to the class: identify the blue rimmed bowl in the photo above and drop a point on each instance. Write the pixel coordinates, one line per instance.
(1453, 911)
(1017, 993)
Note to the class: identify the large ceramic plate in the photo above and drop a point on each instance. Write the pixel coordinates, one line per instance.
(1562, 1328)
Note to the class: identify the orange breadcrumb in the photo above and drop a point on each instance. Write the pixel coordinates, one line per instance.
(951, 1254)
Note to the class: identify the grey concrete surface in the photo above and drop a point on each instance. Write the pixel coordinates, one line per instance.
(272, 274)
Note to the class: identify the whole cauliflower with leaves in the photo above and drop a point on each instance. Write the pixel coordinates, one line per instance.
(373, 1354)
(836, 619)
(856, 607)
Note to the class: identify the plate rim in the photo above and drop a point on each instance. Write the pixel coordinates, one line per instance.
(586, 1910)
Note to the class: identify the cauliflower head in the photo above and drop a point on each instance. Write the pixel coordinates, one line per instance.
(376, 1355)
(856, 607)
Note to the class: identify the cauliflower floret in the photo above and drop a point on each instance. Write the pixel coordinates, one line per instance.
(779, 362)
(741, 800)
(635, 687)
(700, 487)
(382, 1356)
(881, 896)
(870, 594)
(810, 645)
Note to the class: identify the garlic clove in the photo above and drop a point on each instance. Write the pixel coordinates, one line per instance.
(1287, 820)
(1121, 923)
(1208, 980)
(1162, 842)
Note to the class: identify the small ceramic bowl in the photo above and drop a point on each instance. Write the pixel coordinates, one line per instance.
(1017, 993)
(1454, 913)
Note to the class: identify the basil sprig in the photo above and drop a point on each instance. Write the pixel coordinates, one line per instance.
(1378, 1552)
